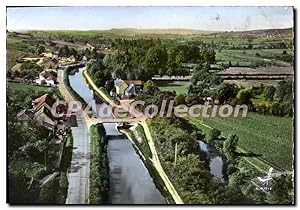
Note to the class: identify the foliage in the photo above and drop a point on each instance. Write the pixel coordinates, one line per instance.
(225, 92)
(214, 134)
(244, 97)
(99, 170)
(203, 81)
(269, 92)
(101, 77)
(30, 70)
(270, 137)
(179, 99)
(40, 49)
(149, 84)
(281, 190)
(193, 182)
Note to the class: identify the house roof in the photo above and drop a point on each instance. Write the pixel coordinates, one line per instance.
(46, 111)
(45, 74)
(132, 89)
(119, 82)
(43, 99)
(26, 112)
(135, 82)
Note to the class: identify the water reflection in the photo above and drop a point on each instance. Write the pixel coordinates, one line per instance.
(130, 181)
(216, 162)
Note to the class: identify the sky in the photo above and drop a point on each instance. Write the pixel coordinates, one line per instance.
(99, 18)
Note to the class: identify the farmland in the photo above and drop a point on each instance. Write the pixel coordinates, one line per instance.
(255, 57)
(180, 87)
(252, 83)
(269, 136)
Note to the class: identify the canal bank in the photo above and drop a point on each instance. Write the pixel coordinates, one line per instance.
(130, 181)
(155, 162)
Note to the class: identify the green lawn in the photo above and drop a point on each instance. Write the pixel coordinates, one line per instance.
(269, 136)
(181, 87)
(21, 86)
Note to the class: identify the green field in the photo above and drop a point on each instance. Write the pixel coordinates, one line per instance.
(27, 88)
(269, 136)
(252, 83)
(181, 87)
(253, 57)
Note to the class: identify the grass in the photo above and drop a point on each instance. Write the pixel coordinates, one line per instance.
(27, 87)
(269, 136)
(250, 57)
(181, 87)
(19, 45)
(252, 83)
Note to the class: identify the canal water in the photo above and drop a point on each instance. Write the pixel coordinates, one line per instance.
(130, 181)
(216, 162)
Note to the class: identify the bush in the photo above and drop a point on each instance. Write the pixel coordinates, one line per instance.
(179, 99)
(99, 169)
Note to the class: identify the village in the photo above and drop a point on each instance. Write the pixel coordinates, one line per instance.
(61, 151)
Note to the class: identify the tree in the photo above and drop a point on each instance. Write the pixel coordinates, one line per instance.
(269, 92)
(64, 51)
(225, 92)
(94, 66)
(40, 49)
(30, 70)
(179, 99)
(209, 56)
(214, 134)
(229, 146)
(281, 190)
(156, 60)
(244, 96)
(107, 60)
(149, 85)
(100, 77)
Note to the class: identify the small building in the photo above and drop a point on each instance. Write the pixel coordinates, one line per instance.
(55, 55)
(41, 113)
(45, 77)
(131, 91)
(128, 88)
(120, 86)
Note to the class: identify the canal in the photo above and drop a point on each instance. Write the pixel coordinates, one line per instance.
(130, 181)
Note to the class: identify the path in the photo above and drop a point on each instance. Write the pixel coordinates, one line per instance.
(142, 120)
(78, 176)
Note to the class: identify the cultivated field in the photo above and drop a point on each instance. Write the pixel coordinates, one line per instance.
(255, 57)
(268, 136)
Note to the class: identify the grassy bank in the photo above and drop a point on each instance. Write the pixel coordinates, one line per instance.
(270, 137)
(140, 142)
(99, 169)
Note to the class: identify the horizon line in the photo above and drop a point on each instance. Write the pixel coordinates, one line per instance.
(130, 28)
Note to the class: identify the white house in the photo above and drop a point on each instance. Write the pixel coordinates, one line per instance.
(45, 78)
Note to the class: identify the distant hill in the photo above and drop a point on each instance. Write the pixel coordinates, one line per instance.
(263, 32)
(171, 31)
(160, 32)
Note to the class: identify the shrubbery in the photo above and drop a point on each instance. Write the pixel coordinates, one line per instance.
(99, 168)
